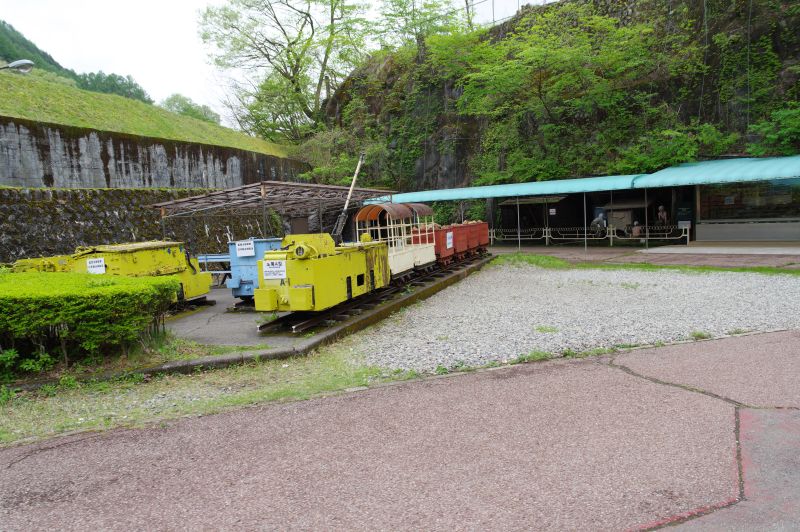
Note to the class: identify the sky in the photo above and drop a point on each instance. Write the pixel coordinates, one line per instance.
(155, 41)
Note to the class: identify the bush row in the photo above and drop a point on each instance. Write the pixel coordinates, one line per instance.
(70, 315)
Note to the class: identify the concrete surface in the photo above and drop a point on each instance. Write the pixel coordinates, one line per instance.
(766, 249)
(214, 325)
(546, 446)
(771, 464)
(580, 444)
(760, 370)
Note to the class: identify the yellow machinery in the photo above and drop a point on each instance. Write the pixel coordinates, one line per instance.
(136, 259)
(58, 263)
(309, 272)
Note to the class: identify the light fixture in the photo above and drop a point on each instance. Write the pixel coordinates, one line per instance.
(23, 66)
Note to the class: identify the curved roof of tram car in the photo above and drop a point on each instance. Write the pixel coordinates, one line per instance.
(397, 211)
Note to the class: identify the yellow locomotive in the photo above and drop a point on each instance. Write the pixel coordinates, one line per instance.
(136, 259)
(311, 273)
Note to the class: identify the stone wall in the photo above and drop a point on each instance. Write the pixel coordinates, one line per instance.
(35, 154)
(47, 221)
(41, 222)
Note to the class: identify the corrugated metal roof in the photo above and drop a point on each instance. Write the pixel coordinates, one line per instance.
(537, 188)
(700, 173)
(722, 171)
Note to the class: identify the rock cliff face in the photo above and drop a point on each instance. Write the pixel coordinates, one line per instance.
(409, 111)
(35, 154)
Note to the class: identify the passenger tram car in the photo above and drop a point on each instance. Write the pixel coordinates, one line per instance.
(394, 243)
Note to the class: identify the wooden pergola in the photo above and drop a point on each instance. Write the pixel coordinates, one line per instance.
(287, 198)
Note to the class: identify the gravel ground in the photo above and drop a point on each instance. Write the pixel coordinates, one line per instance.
(509, 310)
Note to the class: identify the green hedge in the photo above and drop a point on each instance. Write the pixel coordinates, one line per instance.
(74, 314)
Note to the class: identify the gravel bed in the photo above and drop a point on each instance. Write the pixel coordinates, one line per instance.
(506, 311)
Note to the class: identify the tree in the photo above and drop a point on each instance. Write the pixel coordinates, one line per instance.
(113, 84)
(412, 21)
(297, 50)
(182, 105)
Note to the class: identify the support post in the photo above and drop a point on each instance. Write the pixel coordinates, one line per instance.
(519, 233)
(163, 224)
(585, 231)
(610, 228)
(546, 223)
(264, 209)
(646, 223)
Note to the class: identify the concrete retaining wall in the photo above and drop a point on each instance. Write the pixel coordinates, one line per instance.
(34, 154)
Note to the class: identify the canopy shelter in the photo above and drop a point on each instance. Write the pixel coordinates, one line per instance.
(287, 198)
(253, 203)
(722, 171)
(738, 198)
(512, 190)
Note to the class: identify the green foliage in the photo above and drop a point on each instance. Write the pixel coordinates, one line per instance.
(779, 134)
(301, 49)
(8, 361)
(657, 149)
(75, 314)
(533, 356)
(542, 261)
(37, 363)
(14, 46)
(182, 105)
(566, 90)
(124, 86)
(6, 395)
(411, 21)
(35, 99)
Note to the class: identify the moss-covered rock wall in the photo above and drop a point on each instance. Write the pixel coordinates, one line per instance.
(42, 221)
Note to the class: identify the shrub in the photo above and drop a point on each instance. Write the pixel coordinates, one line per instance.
(75, 314)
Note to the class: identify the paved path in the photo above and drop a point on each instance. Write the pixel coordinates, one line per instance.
(593, 443)
(214, 325)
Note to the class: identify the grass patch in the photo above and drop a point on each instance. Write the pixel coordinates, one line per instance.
(546, 261)
(158, 350)
(700, 335)
(545, 329)
(133, 401)
(533, 356)
(43, 101)
(542, 261)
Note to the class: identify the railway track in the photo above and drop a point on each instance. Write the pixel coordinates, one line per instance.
(298, 322)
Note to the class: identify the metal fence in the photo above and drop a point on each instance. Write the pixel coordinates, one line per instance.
(641, 233)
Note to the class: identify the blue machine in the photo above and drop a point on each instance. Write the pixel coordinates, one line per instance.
(244, 257)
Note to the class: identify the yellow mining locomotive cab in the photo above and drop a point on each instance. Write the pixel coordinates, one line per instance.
(135, 259)
(310, 273)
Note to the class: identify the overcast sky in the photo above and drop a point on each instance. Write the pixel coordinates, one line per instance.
(155, 41)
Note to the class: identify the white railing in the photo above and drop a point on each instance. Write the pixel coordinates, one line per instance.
(641, 233)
